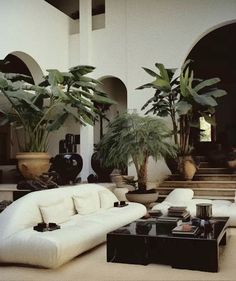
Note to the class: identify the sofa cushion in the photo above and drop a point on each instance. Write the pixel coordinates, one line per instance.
(107, 199)
(57, 212)
(179, 195)
(87, 202)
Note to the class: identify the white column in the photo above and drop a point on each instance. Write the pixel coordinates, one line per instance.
(85, 49)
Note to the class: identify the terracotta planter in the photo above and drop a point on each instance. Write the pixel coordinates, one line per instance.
(143, 198)
(187, 167)
(33, 164)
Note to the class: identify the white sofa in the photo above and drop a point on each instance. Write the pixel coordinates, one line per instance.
(184, 197)
(85, 213)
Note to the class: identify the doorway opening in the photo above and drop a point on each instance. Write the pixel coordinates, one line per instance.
(214, 56)
(116, 90)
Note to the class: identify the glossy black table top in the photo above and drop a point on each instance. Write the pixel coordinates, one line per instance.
(152, 228)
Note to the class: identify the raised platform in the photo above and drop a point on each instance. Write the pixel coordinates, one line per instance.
(10, 192)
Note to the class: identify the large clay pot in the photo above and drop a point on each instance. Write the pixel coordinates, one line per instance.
(187, 167)
(33, 164)
(143, 198)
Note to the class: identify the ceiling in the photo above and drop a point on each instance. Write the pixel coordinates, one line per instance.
(71, 7)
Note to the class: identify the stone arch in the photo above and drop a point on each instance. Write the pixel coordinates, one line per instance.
(30, 63)
(116, 90)
(202, 35)
(213, 54)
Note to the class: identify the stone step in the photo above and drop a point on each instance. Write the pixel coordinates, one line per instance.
(214, 171)
(206, 193)
(215, 177)
(199, 184)
(205, 164)
(206, 177)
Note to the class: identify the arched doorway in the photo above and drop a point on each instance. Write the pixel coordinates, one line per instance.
(117, 91)
(214, 56)
(15, 62)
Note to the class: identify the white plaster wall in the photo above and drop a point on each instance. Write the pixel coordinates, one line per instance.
(41, 31)
(165, 31)
(36, 28)
(139, 33)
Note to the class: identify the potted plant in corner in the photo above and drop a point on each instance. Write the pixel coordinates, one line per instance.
(132, 138)
(184, 99)
(38, 110)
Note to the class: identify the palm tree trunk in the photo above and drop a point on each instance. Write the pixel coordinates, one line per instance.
(142, 175)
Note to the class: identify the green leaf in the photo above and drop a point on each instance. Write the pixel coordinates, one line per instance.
(163, 71)
(206, 83)
(150, 72)
(54, 77)
(183, 107)
(145, 86)
(162, 84)
(104, 100)
(58, 122)
(3, 83)
(205, 100)
(217, 93)
(81, 69)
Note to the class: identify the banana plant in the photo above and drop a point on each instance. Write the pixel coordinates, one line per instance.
(197, 98)
(182, 97)
(166, 95)
(41, 109)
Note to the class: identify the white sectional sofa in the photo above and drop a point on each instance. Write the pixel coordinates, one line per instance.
(184, 197)
(85, 213)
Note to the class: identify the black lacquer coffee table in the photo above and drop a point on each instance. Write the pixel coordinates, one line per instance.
(158, 245)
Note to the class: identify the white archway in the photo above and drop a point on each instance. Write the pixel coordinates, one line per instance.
(202, 35)
(117, 91)
(32, 65)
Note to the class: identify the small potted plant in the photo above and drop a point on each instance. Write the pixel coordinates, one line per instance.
(38, 110)
(132, 138)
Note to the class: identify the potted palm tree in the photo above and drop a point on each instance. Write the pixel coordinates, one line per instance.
(183, 98)
(132, 138)
(38, 110)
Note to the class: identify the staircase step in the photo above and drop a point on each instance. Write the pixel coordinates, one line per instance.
(205, 177)
(199, 184)
(207, 193)
(205, 164)
(213, 171)
(215, 177)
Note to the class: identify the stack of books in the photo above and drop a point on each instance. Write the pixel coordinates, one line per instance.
(186, 230)
(180, 212)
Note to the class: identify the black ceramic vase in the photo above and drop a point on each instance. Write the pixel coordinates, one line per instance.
(68, 163)
(68, 166)
(103, 174)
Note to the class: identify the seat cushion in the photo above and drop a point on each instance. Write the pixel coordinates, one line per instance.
(107, 199)
(87, 202)
(56, 213)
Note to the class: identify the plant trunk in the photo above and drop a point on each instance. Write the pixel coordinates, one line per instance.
(142, 175)
(175, 127)
(184, 134)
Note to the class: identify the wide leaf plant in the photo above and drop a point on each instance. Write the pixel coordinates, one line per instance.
(183, 98)
(38, 110)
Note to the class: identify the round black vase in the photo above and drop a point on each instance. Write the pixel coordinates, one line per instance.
(103, 173)
(68, 166)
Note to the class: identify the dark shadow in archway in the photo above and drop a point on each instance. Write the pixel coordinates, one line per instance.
(215, 56)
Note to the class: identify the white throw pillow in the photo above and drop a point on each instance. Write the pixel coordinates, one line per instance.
(179, 195)
(56, 212)
(87, 202)
(107, 199)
